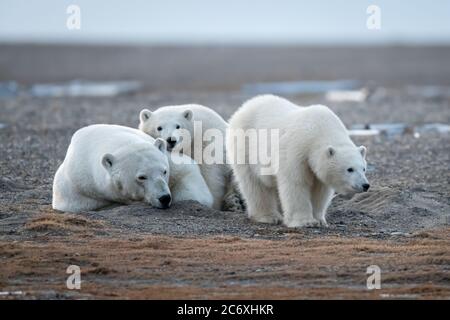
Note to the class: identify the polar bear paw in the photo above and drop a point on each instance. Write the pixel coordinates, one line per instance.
(323, 222)
(302, 223)
(274, 218)
(233, 202)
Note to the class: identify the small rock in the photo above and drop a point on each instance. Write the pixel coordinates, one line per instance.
(398, 233)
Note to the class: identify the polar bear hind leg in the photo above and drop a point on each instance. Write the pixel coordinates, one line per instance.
(233, 200)
(261, 200)
(65, 198)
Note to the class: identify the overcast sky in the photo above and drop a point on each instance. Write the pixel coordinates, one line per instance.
(226, 21)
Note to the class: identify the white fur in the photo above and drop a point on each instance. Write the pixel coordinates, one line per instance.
(315, 152)
(108, 164)
(217, 176)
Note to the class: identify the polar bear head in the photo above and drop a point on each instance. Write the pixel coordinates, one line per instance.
(344, 169)
(140, 173)
(175, 126)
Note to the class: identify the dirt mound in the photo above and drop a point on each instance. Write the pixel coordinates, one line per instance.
(393, 210)
(58, 224)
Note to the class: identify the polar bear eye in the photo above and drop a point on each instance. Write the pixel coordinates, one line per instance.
(159, 128)
(142, 178)
(350, 170)
(165, 172)
(178, 126)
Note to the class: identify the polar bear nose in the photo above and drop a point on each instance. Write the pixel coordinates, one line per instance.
(366, 186)
(165, 200)
(171, 141)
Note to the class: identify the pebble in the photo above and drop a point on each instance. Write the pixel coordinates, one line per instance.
(398, 233)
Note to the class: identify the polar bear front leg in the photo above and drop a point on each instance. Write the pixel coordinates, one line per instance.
(215, 180)
(321, 198)
(190, 185)
(262, 201)
(295, 197)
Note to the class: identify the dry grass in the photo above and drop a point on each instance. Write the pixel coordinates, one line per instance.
(227, 267)
(55, 222)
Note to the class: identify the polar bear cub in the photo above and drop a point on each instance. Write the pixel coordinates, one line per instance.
(108, 164)
(315, 158)
(202, 124)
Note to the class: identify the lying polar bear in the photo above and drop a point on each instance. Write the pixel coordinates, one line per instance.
(108, 164)
(316, 158)
(169, 122)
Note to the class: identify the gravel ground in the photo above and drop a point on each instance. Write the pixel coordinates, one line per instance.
(401, 224)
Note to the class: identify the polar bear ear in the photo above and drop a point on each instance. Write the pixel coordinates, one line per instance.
(187, 114)
(107, 161)
(331, 151)
(145, 115)
(161, 145)
(363, 151)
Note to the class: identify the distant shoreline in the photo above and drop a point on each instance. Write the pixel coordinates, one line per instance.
(223, 67)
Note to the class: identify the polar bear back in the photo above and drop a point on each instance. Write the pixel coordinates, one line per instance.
(108, 138)
(272, 112)
(264, 112)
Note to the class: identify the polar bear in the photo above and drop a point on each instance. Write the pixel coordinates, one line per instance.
(315, 158)
(172, 122)
(108, 164)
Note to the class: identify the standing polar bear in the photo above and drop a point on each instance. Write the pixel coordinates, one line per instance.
(316, 157)
(184, 125)
(108, 164)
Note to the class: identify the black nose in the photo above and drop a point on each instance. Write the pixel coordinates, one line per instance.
(171, 141)
(366, 186)
(165, 200)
